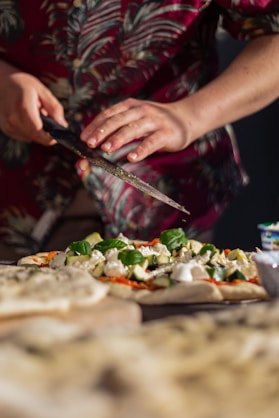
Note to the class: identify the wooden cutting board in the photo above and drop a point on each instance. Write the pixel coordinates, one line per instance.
(108, 313)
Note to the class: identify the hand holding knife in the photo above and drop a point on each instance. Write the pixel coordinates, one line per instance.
(71, 141)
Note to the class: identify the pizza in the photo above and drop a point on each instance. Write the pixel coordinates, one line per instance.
(167, 269)
(33, 290)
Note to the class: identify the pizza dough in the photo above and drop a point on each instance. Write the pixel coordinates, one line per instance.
(29, 290)
(243, 291)
(192, 292)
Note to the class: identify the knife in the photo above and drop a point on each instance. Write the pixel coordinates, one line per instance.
(71, 141)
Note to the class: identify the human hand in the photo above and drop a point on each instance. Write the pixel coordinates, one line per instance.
(158, 126)
(22, 98)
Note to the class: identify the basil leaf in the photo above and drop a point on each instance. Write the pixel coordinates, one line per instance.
(81, 247)
(217, 273)
(130, 257)
(208, 247)
(108, 244)
(173, 238)
(235, 275)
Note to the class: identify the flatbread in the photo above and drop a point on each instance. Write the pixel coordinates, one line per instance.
(29, 290)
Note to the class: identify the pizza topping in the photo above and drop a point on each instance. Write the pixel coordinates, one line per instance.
(41, 259)
(81, 248)
(74, 259)
(163, 281)
(93, 238)
(82, 261)
(187, 272)
(130, 257)
(115, 268)
(107, 244)
(131, 283)
(232, 282)
(147, 244)
(236, 254)
(217, 273)
(139, 273)
(208, 248)
(236, 275)
(157, 249)
(173, 238)
(169, 259)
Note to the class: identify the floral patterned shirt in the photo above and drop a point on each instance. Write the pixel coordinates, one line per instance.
(93, 53)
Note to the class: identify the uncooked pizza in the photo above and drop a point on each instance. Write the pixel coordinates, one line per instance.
(167, 269)
(33, 290)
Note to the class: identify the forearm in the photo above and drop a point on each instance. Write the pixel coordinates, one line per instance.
(250, 83)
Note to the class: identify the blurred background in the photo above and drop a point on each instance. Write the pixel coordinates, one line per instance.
(258, 142)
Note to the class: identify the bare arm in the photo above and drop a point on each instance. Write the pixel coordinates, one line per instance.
(250, 83)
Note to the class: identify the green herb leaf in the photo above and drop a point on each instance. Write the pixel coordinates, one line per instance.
(173, 238)
(208, 247)
(235, 275)
(81, 247)
(108, 244)
(217, 273)
(130, 257)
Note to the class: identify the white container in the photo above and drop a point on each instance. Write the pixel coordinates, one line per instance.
(269, 235)
(267, 263)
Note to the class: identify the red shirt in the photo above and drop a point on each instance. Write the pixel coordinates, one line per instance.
(93, 54)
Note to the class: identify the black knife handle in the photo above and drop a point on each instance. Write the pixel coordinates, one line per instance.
(58, 131)
(49, 123)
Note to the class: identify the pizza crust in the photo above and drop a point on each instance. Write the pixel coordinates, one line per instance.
(29, 290)
(243, 291)
(191, 292)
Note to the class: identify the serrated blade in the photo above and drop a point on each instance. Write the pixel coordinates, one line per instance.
(72, 142)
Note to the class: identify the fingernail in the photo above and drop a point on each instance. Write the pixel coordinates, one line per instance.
(107, 146)
(133, 155)
(92, 142)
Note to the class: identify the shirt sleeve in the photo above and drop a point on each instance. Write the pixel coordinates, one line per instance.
(246, 19)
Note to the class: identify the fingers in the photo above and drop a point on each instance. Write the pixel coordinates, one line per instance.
(93, 133)
(145, 148)
(43, 102)
(123, 123)
(52, 107)
(26, 128)
(115, 139)
(22, 121)
(109, 122)
(155, 125)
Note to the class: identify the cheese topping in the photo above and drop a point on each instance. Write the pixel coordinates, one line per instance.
(187, 272)
(172, 258)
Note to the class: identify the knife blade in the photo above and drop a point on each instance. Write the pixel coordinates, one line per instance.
(71, 141)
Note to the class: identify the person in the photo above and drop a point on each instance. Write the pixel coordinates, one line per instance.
(140, 82)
